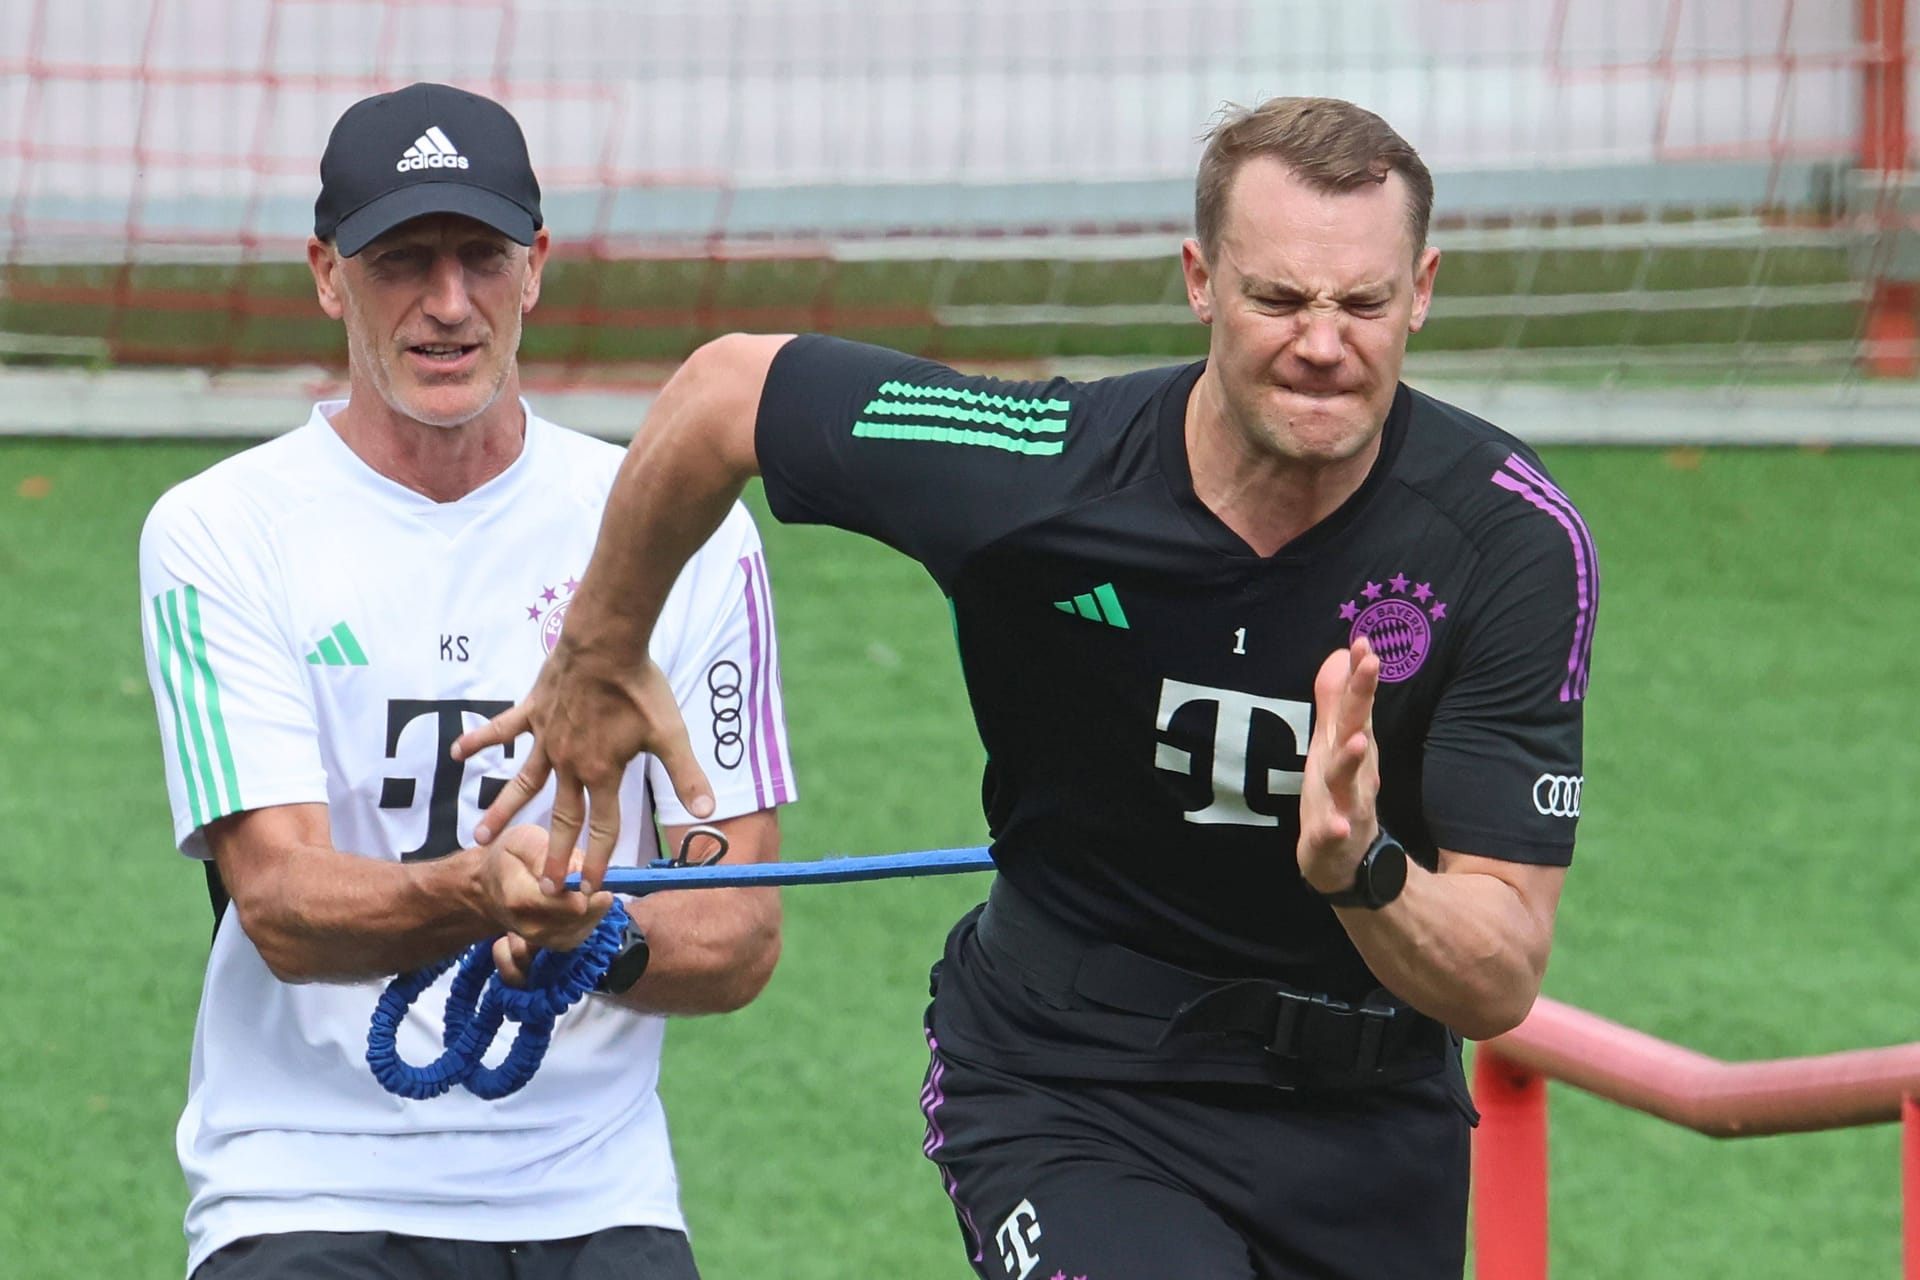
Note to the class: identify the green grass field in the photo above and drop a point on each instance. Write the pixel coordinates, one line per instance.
(1744, 883)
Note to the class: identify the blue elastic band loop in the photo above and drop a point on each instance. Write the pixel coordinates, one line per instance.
(477, 1003)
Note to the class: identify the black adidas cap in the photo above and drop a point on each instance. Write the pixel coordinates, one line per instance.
(427, 148)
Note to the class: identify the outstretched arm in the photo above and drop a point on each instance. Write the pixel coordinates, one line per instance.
(600, 700)
(1466, 945)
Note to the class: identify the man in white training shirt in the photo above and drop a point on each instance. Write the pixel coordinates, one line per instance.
(324, 614)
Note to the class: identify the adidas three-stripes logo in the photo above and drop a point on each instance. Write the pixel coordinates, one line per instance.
(1101, 604)
(207, 769)
(337, 648)
(1029, 425)
(432, 150)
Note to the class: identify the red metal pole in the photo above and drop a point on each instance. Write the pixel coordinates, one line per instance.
(1910, 1181)
(1892, 330)
(1883, 115)
(1509, 1170)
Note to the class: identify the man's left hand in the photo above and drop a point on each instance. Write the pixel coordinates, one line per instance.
(1337, 819)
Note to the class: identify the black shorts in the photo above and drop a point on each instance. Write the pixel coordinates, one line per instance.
(1105, 1181)
(618, 1253)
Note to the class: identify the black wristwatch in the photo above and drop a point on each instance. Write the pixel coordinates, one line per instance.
(1379, 878)
(629, 962)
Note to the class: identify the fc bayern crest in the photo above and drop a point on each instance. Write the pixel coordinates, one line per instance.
(550, 611)
(1397, 617)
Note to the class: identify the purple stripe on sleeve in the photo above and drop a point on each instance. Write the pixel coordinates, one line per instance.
(931, 1098)
(753, 679)
(767, 725)
(1559, 498)
(1575, 685)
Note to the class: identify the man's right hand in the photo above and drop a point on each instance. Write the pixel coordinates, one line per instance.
(590, 714)
(510, 871)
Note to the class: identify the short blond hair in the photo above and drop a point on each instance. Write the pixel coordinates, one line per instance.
(1329, 144)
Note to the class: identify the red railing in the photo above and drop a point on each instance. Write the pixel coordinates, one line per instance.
(1892, 326)
(1719, 1099)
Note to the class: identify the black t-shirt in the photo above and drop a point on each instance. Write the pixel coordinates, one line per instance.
(1143, 681)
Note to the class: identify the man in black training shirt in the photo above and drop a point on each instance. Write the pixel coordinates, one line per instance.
(1279, 666)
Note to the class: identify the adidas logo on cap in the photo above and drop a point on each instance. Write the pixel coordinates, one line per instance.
(431, 150)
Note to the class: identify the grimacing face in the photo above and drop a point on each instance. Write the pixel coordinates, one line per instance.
(433, 313)
(1311, 297)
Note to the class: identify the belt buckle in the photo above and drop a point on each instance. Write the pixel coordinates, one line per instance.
(1374, 1022)
(1295, 1013)
(1289, 1016)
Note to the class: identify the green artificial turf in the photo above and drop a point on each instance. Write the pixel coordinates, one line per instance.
(1743, 886)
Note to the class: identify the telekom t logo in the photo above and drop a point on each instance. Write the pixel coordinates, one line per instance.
(1016, 1238)
(1232, 741)
(449, 775)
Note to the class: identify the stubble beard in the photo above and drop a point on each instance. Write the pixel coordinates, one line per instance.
(1278, 436)
(389, 375)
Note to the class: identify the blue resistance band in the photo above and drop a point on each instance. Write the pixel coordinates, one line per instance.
(477, 1004)
(890, 866)
(479, 1001)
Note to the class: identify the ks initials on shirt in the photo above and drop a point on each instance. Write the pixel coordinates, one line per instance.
(1233, 741)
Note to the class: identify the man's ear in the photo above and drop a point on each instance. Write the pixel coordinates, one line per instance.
(1199, 278)
(536, 260)
(324, 262)
(1425, 268)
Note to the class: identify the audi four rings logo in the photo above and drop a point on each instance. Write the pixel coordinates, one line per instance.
(723, 696)
(1556, 795)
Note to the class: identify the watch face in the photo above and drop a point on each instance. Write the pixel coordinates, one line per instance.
(628, 963)
(1386, 873)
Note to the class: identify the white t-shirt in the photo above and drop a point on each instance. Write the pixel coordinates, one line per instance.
(316, 633)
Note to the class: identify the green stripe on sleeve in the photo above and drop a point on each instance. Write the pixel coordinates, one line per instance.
(164, 647)
(218, 722)
(954, 435)
(1019, 404)
(951, 413)
(330, 653)
(190, 700)
(1088, 609)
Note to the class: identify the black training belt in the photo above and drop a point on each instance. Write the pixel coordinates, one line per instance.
(1377, 1041)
